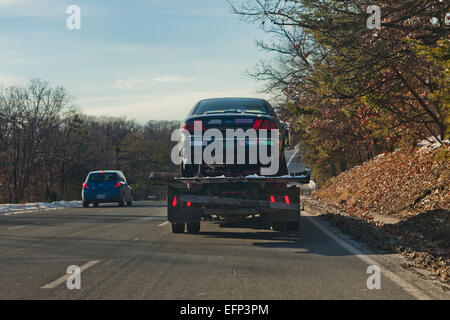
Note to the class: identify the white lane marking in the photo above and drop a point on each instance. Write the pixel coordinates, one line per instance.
(14, 228)
(149, 219)
(163, 224)
(64, 278)
(392, 276)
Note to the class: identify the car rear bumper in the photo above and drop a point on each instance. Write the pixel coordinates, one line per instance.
(102, 196)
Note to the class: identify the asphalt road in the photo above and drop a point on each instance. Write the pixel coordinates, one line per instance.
(131, 253)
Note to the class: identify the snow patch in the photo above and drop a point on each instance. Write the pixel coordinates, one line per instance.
(432, 143)
(12, 208)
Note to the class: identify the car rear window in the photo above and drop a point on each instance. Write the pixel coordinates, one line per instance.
(231, 106)
(103, 177)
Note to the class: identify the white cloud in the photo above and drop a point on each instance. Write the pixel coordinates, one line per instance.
(154, 107)
(88, 88)
(6, 3)
(173, 79)
(7, 80)
(131, 83)
(21, 8)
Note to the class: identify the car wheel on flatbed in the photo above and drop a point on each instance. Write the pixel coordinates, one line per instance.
(85, 204)
(95, 203)
(283, 169)
(177, 227)
(189, 170)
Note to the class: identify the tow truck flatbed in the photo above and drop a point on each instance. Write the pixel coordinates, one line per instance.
(191, 199)
(166, 178)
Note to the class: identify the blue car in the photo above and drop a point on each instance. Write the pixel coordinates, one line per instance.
(106, 186)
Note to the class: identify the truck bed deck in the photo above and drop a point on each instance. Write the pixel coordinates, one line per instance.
(167, 178)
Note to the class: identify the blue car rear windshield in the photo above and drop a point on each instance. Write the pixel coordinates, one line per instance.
(103, 177)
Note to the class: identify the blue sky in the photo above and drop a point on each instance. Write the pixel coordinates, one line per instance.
(144, 59)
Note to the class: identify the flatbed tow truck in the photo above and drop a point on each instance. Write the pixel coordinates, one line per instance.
(189, 200)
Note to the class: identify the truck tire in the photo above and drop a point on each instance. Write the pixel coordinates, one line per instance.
(96, 204)
(193, 227)
(177, 227)
(85, 204)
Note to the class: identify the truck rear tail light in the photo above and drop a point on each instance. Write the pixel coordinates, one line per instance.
(272, 198)
(286, 199)
(174, 201)
(188, 204)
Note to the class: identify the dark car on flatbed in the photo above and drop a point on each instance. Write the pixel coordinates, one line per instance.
(233, 113)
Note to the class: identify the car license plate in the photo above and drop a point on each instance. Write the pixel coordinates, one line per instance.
(100, 196)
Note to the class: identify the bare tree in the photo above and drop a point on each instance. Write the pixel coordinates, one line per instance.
(29, 114)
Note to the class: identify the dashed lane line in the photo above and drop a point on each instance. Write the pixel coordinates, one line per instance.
(64, 278)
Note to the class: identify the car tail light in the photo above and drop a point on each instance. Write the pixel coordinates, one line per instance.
(174, 201)
(272, 199)
(188, 204)
(85, 186)
(264, 124)
(268, 125)
(117, 185)
(286, 199)
(257, 124)
(190, 126)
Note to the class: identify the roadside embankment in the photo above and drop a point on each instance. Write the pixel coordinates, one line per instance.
(398, 202)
